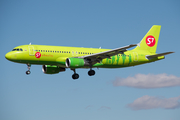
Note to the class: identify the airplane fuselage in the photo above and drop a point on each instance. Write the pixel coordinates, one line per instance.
(57, 55)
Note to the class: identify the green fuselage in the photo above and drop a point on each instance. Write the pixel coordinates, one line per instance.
(57, 55)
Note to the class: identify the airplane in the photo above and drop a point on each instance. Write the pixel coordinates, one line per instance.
(55, 59)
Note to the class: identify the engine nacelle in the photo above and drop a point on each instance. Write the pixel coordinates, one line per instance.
(52, 69)
(76, 62)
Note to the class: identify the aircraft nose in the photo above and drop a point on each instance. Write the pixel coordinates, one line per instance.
(8, 56)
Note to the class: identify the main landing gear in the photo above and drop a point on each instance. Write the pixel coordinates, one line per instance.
(91, 72)
(28, 71)
(76, 76)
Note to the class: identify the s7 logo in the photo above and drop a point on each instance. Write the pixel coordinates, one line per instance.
(38, 55)
(150, 41)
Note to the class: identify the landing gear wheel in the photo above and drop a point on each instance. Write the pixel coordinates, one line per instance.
(75, 76)
(91, 72)
(28, 72)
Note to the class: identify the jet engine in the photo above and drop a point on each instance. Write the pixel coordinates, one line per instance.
(76, 62)
(52, 69)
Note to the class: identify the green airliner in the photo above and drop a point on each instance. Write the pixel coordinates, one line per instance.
(55, 59)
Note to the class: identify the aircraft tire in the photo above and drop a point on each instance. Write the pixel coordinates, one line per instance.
(28, 72)
(75, 76)
(91, 72)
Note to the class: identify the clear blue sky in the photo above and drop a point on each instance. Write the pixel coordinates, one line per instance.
(89, 23)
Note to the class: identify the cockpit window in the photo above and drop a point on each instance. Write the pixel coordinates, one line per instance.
(17, 49)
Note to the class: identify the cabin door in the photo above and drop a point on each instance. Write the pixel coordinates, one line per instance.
(31, 50)
(135, 54)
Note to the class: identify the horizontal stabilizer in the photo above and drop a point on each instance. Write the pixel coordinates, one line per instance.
(158, 55)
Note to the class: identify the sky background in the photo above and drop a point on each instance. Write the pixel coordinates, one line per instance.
(109, 95)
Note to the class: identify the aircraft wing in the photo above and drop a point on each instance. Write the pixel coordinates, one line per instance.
(158, 55)
(97, 57)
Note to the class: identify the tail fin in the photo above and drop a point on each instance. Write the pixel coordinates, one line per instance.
(150, 40)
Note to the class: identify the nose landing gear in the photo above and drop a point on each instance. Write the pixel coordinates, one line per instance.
(28, 71)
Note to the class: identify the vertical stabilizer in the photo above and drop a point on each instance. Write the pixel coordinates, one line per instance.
(150, 40)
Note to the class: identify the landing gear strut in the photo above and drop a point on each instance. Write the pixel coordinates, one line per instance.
(28, 71)
(75, 75)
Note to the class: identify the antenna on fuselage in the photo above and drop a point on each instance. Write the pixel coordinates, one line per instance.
(29, 43)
